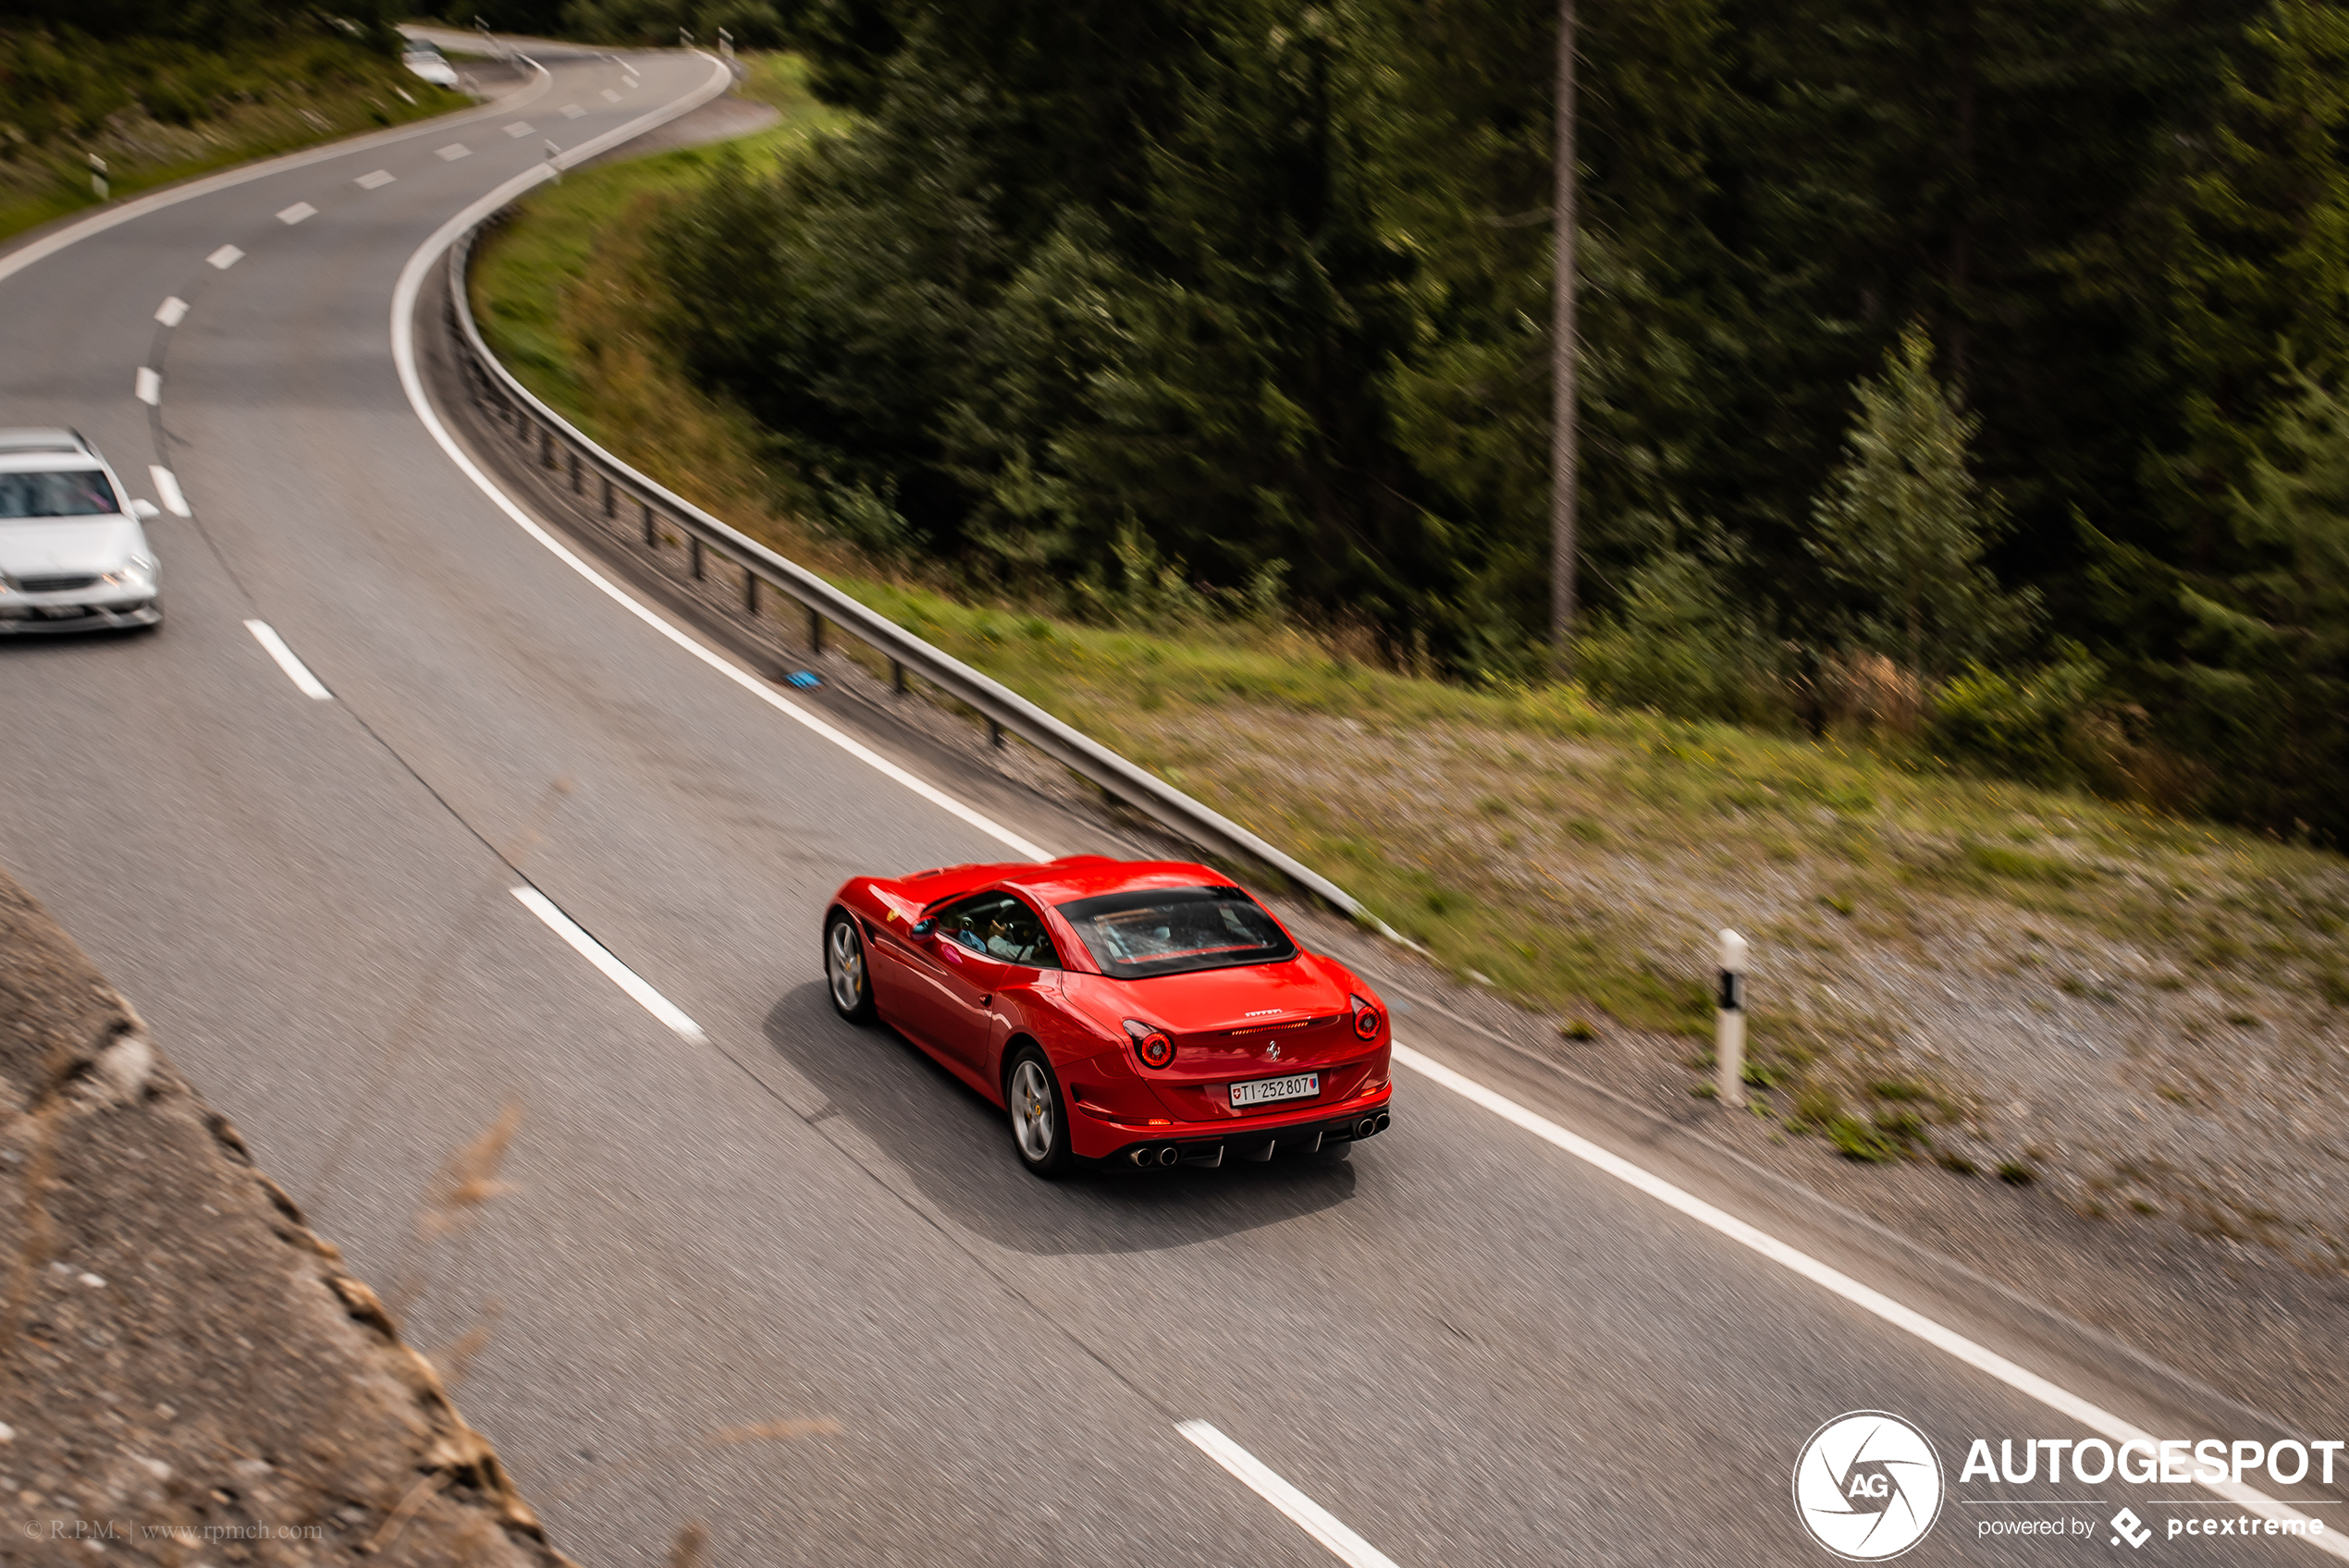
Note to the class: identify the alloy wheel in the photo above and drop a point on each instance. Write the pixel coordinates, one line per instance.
(1032, 1112)
(844, 968)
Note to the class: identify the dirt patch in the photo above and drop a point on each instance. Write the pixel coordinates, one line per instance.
(2147, 1023)
(187, 1373)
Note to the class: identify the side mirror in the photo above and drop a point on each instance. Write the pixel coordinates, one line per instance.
(922, 928)
(143, 510)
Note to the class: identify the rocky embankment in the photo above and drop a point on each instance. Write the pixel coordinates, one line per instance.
(188, 1375)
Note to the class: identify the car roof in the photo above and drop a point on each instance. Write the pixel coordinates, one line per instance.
(1085, 876)
(43, 444)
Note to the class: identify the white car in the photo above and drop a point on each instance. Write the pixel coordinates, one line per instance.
(429, 63)
(73, 556)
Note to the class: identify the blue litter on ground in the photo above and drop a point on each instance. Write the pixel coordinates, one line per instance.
(804, 679)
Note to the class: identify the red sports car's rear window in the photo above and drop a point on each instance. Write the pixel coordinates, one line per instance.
(1175, 930)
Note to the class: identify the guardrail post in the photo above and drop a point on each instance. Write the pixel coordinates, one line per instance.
(897, 676)
(608, 496)
(994, 733)
(572, 453)
(1729, 1025)
(815, 632)
(750, 591)
(546, 445)
(693, 541)
(652, 538)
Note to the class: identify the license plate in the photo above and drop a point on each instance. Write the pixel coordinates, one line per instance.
(1270, 1091)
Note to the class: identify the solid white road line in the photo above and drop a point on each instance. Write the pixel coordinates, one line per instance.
(519, 127)
(295, 213)
(296, 671)
(453, 151)
(172, 312)
(1309, 1516)
(403, 354)
(1980, 1357)
(375, 181)
(167, 486)
(147, 386)
(225, 257)
(618, 973)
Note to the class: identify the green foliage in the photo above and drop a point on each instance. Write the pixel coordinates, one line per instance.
(64, 84)
(2269, 667)
(1247, 282)
(207, 24)
(1678, 646)
(2255, 252)
(752, 24)
(1903, 525)
(2025, 724)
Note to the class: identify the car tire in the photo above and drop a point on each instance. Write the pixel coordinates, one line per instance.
(848, 973)
(1038, 1113)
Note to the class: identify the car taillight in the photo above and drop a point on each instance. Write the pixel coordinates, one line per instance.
(1366, 1020)
(1150, 1043)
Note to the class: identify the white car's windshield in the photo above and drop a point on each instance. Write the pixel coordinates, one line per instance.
(81, 492)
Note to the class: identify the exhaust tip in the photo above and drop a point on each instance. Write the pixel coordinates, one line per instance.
(1169, 1155)
(1140, 1157)
(1382, 1122)
(1369, 1125)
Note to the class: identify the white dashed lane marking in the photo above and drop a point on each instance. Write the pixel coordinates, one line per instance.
(519, 127)
(296, 671)
(172, 312)
(609, 96)
(147, 386)
(295, 213)
(573, 111)
(1309, 1516)
(618, 973)
(167, 486)
(225, 257)
(454, 150)
(375, 181)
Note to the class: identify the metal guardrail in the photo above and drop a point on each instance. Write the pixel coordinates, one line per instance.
(542, 435)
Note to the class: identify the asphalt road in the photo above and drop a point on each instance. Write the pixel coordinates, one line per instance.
(786, 1280)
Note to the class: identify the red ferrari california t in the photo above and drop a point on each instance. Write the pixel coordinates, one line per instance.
(1144, 1012)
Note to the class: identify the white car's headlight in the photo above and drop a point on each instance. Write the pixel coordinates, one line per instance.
(138, 571)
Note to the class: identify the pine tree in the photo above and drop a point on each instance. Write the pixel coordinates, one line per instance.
(2270, 645)
(2258, 256)
(1903, 525)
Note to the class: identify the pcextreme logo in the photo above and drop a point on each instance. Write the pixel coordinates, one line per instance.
(1867, 1485)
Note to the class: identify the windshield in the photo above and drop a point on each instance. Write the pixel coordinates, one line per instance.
(1177, 930)
(81, 492)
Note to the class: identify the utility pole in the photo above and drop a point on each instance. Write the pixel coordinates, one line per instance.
(1563, 348)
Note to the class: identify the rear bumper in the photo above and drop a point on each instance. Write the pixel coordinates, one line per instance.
(44, 619)
(1211, 1143)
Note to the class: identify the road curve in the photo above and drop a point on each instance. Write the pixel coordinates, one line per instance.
(753, 1269)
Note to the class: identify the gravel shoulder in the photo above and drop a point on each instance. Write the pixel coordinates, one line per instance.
(186, 1370)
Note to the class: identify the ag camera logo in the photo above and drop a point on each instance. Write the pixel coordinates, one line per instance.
(1867, 1485)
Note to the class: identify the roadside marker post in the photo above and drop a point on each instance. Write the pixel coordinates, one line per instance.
(1728, 1023)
